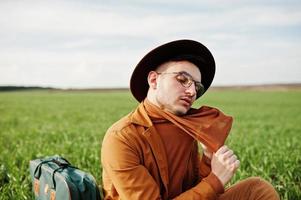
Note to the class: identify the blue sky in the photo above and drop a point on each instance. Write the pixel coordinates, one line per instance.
(92, 44)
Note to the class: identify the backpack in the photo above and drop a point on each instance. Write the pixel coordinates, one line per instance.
(55, 178)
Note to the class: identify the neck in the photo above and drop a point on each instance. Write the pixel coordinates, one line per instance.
(152, 99)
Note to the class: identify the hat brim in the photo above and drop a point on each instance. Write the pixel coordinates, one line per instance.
(139, 84)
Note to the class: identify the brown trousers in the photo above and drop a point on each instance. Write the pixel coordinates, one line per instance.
(250, 189)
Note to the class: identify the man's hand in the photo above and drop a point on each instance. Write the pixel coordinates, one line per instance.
(224, 163)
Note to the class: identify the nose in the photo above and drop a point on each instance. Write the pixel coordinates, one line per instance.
(191, 90)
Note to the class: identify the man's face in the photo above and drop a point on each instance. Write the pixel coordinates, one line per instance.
(171, 95)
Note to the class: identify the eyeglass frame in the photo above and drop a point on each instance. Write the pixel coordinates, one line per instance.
(199, 92)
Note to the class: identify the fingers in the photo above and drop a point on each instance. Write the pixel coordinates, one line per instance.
(225, 152)
(228, 154)
(221, 150)
(232, 159)
(235, 165)
(228, 157)
(224, 164)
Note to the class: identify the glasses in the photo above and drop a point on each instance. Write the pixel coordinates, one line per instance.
(186, 81)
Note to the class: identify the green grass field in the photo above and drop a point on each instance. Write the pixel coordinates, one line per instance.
(266, 133)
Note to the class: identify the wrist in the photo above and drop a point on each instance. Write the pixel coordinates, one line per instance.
(220, 178)
(215, 183)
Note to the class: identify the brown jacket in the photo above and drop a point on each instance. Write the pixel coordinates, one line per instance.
(135, 165)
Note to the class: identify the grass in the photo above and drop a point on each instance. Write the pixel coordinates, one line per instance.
(266, 133)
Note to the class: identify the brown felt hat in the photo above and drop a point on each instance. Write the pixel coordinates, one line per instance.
(189, 50)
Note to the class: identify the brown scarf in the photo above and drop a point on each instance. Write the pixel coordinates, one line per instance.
(207, 125)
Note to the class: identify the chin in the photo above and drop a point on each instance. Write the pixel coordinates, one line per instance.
(180, 111)
(177, 109)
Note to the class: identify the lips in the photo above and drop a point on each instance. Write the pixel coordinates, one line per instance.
(187, 100)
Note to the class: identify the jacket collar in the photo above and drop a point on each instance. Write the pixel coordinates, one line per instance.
(140, 117)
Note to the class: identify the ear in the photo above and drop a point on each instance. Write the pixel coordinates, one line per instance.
(152, 79)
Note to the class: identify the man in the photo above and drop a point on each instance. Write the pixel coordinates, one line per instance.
(152, 153)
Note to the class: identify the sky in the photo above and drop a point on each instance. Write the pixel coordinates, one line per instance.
(97, 44)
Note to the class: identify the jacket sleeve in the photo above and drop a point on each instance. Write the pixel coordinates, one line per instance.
(120, 160)
(209, 186)
(207, 175)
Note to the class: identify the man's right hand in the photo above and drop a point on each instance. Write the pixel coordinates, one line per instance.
(224, 163)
